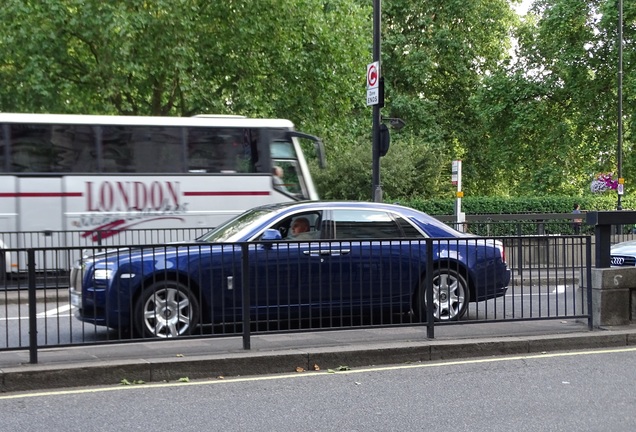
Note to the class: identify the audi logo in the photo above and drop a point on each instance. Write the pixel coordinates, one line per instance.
(617, 261)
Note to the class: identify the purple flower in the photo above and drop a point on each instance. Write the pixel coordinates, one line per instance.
(603, 182)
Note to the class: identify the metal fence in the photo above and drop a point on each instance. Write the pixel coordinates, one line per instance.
(532, 224)
(16, 244)
(289, 287)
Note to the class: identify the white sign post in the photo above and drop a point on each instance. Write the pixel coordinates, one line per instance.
(373, 83)
(456, 178)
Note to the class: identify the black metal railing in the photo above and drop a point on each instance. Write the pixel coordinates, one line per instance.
(126, 293)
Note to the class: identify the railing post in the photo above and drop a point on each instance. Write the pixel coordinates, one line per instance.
(588, 279)
(430, 323)
(33, 326)
(245, 282)
(519, 250)
(602, 222)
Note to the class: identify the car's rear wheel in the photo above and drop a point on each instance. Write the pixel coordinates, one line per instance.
(166, 309)
(450, 296)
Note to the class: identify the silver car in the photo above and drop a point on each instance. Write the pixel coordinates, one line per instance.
(623, 254)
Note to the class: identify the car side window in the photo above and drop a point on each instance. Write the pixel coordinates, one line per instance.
(408, 230)
(301, 226)
(364, 224)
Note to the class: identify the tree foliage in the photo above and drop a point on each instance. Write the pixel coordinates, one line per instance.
(552, 115)
(166, 57)
(529, 104)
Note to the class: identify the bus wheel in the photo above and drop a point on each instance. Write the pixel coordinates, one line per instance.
(166, 309)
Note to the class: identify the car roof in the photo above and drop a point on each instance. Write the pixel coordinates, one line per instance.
(310, 205)
(289, 207)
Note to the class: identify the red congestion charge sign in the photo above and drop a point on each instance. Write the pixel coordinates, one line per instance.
(373, 83)
(373, 75)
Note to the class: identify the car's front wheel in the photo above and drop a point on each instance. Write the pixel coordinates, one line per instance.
(450, 296)
(166, 309)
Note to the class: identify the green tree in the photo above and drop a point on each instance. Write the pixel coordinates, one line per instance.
(164, 57)
(436, 55)
(551, 116)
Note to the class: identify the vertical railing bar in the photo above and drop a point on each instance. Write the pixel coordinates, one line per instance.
(588, 288)
(33, 326)
(430, 325)
(245, 282)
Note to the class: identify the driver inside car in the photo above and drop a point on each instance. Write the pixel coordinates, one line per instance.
(299, 229)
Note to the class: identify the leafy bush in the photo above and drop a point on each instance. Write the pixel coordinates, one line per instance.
(520, 205)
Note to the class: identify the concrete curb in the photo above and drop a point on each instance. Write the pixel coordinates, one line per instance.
(248, 363)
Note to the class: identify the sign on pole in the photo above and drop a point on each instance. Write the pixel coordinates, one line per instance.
(373, 83)
(456, 174)
(456, 178)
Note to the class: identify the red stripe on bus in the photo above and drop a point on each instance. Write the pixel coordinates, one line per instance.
(39, 194)
(80, 194)
(236, 193)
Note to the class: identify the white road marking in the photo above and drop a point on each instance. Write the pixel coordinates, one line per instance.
(54, 312)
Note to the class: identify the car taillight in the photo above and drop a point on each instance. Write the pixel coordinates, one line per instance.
(502, 250)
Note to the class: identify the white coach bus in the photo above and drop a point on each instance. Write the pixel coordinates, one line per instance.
(104, 175)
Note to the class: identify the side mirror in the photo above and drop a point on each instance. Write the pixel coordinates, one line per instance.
(271, 235)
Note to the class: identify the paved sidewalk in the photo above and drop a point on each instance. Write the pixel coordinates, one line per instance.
(216, 357)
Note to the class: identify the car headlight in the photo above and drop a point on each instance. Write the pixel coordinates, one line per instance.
(102, 274)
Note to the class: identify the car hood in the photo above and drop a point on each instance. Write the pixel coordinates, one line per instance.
(624, 248)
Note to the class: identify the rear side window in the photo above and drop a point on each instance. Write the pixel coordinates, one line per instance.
(364, 224)
(408, 229)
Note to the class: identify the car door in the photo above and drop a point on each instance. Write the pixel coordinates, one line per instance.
(370, 267)
(286, 273)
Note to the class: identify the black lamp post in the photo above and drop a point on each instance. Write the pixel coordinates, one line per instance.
(619, 151)
(376, 187)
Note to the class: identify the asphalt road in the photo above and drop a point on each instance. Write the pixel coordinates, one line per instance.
(570, 391)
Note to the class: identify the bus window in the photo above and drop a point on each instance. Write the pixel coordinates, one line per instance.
(157, 149)
(4, 148)
(282, 150)
(285, 161)
(29, 149)
(74, 148)
(209, 150)
(141, 149)
(287, 178)
(117, 154)
(220, 150)
(52, 148)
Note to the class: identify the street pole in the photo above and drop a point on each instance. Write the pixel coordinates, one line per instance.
(376, 187)
(619, 150)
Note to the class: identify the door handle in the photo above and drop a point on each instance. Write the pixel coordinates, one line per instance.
(332, 252)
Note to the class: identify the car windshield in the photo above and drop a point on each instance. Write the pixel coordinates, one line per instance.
(232, 229)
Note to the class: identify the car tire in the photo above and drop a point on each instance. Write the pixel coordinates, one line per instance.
(450, 296)
(166, 309)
